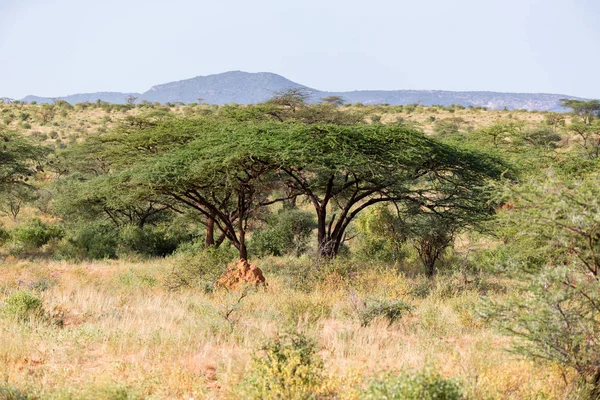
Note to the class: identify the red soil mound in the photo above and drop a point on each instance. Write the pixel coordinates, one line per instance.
(241, 273)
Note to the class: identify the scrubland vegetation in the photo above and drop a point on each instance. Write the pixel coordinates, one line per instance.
(409, 252)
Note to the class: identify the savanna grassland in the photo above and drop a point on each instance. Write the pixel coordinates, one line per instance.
(409, 252)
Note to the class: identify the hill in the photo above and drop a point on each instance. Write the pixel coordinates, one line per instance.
(250, 88)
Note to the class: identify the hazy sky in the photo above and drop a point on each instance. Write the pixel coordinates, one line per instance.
(60, 47)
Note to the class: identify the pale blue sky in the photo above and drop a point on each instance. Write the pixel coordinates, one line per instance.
(60, 47)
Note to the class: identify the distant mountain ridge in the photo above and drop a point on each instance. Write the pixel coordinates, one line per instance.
(250, 88)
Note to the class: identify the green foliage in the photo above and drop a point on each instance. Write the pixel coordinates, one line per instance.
(382, 235)
(425, 385)
(23, 305)
(199, 268)
(385, 236)
(431, 235)
(35, 233)
(448, 127)
(552, 233)
(285, 368)
(501, 132)
(588, 137)
(286, 232)
(4, 235)
(542, 137)
(292, 98)
(88, 241)
(587, 110)
(391, 310)
(153, 241)
(18, 159)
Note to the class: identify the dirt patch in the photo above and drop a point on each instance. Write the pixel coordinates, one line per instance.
(241, 273)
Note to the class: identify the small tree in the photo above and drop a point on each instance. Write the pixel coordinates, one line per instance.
(12, 200)
(131, 99)
(292, 98)
(335, 100)
(431, 236)
(587, 110)
(589, 137)
(555, 120)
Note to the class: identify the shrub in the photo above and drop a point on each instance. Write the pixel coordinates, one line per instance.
(152, 241)
(287, 232)
(41, 284)
(447, 127)
(23, 305)
(91, 241)
(391, 310)
(376, 119)
(381, 235)
(285, 368)
(4, 235)
(426, 385)
(202, 268)
(544, 137)
(36, 233)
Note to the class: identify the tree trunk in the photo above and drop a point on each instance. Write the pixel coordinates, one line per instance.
(210, 232)
(430, 268)
(243, 251)
(323, 240)
(242, 237)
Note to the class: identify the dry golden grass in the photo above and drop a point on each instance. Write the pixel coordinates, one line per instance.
(125, 334)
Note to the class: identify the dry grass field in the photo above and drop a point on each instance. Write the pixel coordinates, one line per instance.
(112, 330)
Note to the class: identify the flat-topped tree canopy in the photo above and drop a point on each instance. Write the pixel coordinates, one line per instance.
(227, 170)
(345, 169)
(19, 159)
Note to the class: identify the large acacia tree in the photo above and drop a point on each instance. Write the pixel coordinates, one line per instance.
(343, 170)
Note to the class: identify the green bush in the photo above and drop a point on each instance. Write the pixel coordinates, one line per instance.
(23, 305)
(285, 368)
(36, 233)
(151, 241)
(91, 241)
(4, 235)
(199, 268)
(544, 137)
(382, 235)
(287, 232)
(426, 385)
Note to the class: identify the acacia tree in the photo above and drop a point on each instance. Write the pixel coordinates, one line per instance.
(218, 175)
(343, 170)
(335, 100)
(589, 137)
(19, 160)
(293, 98)
(587, 110)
